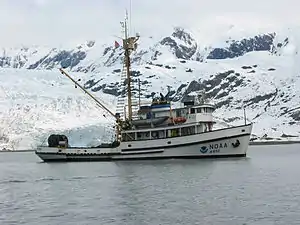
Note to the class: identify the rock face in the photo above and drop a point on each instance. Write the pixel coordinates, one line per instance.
(239, 48)
(64, 59)
(181, 44)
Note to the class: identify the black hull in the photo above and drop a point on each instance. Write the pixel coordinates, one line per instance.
(100, 158)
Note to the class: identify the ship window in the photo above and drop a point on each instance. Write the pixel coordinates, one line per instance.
(143, 116)
(129, 146)
(185, 112)
(199, 110)
(128, 136)
(192, 110)
(243, 130)
(143, 135)
(161, 134)
(185, 131)
(174, 132)
(192, 130)
(169, 142)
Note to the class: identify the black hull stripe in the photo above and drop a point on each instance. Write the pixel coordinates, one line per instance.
(186, 144)
(77, 154)
(96, 154)
(143, 158)
(139, 153)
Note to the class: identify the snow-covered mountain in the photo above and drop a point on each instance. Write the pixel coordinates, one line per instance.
(260, 72)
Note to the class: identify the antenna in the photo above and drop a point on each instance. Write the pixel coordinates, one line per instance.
(126, 24)
(168, 94)
(139, 93)
(130, 16)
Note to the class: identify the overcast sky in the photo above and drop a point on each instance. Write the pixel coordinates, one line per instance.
(59, 21)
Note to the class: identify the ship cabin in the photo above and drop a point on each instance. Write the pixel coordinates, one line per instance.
(156, 110)
(160, 121)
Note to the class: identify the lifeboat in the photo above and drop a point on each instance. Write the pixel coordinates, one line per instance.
(178, 120)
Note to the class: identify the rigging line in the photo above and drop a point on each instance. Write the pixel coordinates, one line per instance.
(99, 107)
(77, 84)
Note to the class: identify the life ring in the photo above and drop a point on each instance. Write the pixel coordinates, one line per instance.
(236, 144)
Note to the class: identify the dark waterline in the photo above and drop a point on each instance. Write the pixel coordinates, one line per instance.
(263, 188)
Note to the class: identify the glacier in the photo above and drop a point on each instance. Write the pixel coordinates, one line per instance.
(258, 72)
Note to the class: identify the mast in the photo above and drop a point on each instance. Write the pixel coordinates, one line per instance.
(129, 45)
(127, 61)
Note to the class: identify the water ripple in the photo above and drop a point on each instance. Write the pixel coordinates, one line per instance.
(259, 191)
(54, 216)
(12, 181)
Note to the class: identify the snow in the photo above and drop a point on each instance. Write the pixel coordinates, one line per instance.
(36, 103)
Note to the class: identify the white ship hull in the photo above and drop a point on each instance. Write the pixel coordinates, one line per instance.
(229, 142)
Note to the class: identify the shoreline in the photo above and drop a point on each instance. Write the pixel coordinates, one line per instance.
(17, 151)
(278, 142)
(275, 142)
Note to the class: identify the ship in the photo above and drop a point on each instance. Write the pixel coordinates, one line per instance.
(156, 130)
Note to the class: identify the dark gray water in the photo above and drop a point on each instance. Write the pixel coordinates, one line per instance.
(263, 189)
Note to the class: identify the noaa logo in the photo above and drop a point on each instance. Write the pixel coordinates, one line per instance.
(203, 149)
(215, 148)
